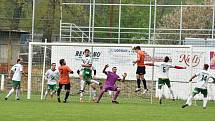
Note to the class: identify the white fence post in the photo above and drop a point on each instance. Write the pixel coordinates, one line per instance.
(2, 82)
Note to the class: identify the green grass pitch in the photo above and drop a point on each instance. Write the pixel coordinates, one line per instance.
(51, 110)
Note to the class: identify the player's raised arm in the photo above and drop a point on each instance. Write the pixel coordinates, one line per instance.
(86, 65)
(104, 70)
(124, 76)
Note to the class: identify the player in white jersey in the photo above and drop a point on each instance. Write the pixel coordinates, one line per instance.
(17, 71)
(52, 77)
(163, 76)
(85, 75)
(202, 83)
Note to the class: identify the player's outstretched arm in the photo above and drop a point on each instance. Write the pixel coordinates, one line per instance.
(104, 70)
(213, 79)
(86, 65)
(192, 78)
(179, 67)
(149, 64)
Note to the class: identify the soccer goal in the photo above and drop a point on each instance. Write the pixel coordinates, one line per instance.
(41, 55)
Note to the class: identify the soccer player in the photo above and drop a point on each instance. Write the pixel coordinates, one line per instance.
(52, 76)
(141, 70)
(86, 75)
(163, 77)
(64, 79)
(202, 82)
(112, 77)
(17, 71)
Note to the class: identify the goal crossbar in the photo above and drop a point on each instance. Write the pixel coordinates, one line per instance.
(31, 44)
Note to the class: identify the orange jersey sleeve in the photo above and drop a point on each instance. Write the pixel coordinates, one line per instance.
(140, 58)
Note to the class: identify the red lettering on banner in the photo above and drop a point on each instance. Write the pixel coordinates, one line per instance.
(187, 60)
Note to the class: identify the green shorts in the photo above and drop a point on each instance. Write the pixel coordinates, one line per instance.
(16, 84)
(198, 90)
(52, 87)
(87, 74)
(162, 81)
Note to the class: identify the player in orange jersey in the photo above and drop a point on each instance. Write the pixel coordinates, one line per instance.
(64, 79)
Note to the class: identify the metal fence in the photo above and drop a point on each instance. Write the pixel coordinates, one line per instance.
(149, 21)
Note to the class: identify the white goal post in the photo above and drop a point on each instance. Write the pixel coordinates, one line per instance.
(120, 55)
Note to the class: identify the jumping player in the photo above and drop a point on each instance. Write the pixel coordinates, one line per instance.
(85, 75)
(141, 70)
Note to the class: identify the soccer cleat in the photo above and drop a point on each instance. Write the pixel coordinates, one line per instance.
(80, 91)
(64, 101)
(81, 100)
(94, 100)
(58, 99)
(204, 107)
(115, 102)
(5, 98)
(183, 106)
(146, 90)
(173, 99)
(137, 90)
(17, 99)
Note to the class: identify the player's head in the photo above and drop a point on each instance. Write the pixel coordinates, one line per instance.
(206, 66)
(137, 48)
(114, 69)
(19, 60)
(53, 66)
(86, 52)
(62, 62)
(166, 59)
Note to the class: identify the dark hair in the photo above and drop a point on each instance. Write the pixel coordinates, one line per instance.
(206, 66)
(137, 48)
(166, 59)
(86, 50)
(18, 60)
(61, 61)
(115, 67)
(53, 63)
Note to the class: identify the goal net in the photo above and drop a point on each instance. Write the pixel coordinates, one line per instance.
(41, 55)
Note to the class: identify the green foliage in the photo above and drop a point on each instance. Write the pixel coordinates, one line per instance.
(193, 18)
(17, 14)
